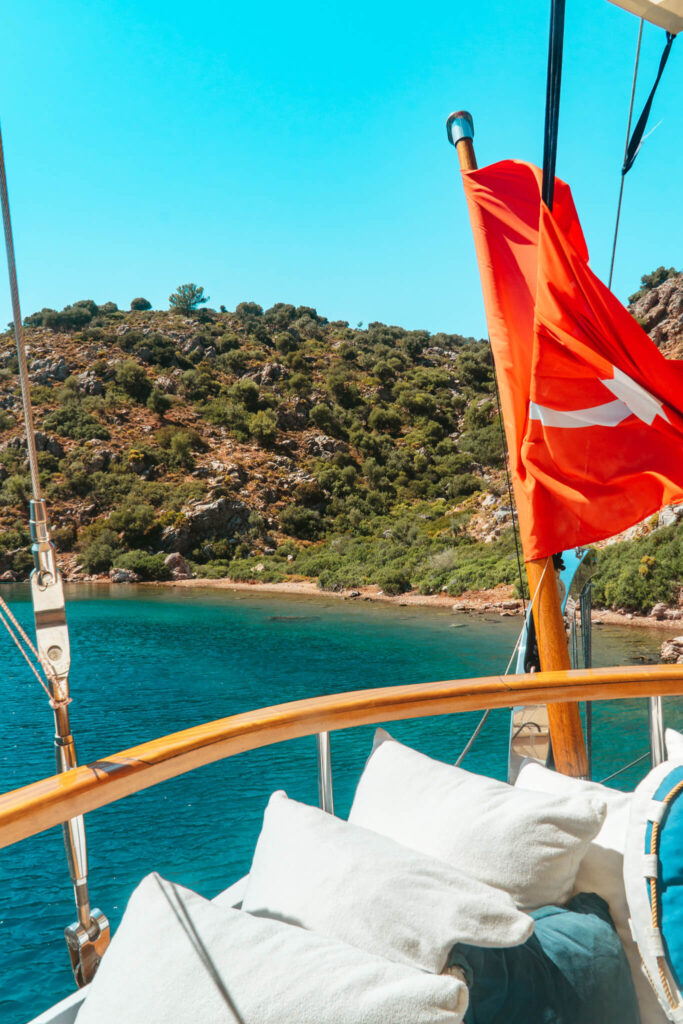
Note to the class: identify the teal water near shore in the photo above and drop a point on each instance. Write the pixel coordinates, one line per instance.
(150, 661)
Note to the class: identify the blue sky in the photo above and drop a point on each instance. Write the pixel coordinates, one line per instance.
(298, 153)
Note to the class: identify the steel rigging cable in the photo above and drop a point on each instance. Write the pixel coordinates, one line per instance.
(634, 143)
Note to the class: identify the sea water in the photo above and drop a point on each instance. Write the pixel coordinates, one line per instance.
(149, 661)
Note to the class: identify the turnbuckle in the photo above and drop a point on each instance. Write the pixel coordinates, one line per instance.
(87, 946)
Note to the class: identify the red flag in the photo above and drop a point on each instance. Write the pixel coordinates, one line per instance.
(593, 411)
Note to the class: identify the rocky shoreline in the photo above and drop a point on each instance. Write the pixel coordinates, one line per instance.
(496, 601)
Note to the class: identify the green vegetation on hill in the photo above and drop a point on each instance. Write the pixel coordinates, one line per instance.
(635, 575)
(653, 280)
(273, 444)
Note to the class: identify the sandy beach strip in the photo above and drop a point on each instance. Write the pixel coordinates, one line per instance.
(498, 600)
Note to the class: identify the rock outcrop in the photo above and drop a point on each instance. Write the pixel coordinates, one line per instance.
(123, 575)
(180, 569)
(660, 311)
(225, 517)
(672, 650)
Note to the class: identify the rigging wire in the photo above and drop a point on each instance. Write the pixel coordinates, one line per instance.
(513, 506)
(482, 721)
(628, 135)
(19, 332)
(634, 143)
(625, 768)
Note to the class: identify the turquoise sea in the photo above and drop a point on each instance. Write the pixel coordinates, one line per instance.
(148, 661)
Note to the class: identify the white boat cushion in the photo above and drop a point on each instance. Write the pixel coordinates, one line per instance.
(351, 884)
(602, 868)
(233, 895)
(528, 844)
(674, 745)
(177, 958)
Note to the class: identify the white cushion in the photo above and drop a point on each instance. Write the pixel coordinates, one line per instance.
(674, 745)
(528, 844)
(177, 958)
(354, 885)
(602, 869)
(233, 895)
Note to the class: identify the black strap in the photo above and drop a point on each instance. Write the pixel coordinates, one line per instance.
(637, 137)
(552, 99)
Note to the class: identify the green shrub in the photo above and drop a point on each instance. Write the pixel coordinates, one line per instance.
(285, 342)
(16, 490)
(148, 567)
(16, 536)
(63, 537)
(418, 403)
(393, 581)
(22, 561)
(385, 419)
(140, 304)
(298, 384)
(134, 522)
(215, 569)
(180, 452)
(70, 318)
(263, 427)
(227, 413)
(232, 361)
(245, 392)
(300, 522)
(159, 402)
(473, 367)
(198, 385)
(228, 342)
(72, 420)
(462, 485)
(245, 569)
(280, 316)
(98, 555)
(638, 574)
(321, 416)
(155, 349)
(133, 379)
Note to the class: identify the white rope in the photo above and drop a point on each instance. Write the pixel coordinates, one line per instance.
(23, 652)
(7, 614)
(470, 743)
(27, 640)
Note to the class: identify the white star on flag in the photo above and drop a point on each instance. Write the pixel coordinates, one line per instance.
(631, 400)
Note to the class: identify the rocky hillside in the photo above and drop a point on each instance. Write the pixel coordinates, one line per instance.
(272, 444)
(658, 307)
(256, 444)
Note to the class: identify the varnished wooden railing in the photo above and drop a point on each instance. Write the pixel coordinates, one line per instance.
(39, 806)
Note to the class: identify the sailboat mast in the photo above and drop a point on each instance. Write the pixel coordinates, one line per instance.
(88, 937)
(566, 732)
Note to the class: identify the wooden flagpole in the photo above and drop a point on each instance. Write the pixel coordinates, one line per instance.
(566, 732)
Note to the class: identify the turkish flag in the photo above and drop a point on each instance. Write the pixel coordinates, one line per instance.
(593, 411)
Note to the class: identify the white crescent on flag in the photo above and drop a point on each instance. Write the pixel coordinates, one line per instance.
(631, 400)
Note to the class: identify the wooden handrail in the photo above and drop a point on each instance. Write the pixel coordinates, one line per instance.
(43, 804)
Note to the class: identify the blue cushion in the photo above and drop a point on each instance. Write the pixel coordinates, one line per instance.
(670, 878)
(572, 970)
